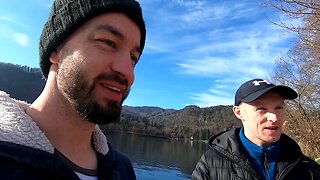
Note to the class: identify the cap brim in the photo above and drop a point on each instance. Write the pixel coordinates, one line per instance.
(285, 91)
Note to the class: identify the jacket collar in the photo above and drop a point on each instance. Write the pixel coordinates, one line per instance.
(18, 128)
(229, 142)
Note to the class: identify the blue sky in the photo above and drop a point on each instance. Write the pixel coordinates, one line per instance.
(197, 51)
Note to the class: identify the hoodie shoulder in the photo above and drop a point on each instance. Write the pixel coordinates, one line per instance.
(17, 127)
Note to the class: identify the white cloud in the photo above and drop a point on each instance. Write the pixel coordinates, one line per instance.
(45, 3)
(219, 94)
(14, 21)
(194, 17)
(205, 67)
(216, 40)
(242, 52)
(207, 99)
(189, 3)
(21, 39)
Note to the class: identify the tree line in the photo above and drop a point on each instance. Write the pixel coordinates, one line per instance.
(22, 82)
(191, 122)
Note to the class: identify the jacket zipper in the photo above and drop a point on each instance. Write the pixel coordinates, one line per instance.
(287, 169)
(243, 163)
(266, 164)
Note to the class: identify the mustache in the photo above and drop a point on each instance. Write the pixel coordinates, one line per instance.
(104, 77)
(114, 77)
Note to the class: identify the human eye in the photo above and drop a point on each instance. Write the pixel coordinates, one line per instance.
(260, 109)
(134, 59)
(108, 42)
(279, 107)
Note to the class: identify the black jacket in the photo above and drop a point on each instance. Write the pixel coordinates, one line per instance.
(26, 153)
(21, 162)
(227, 159)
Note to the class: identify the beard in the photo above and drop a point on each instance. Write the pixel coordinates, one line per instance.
(80, 94)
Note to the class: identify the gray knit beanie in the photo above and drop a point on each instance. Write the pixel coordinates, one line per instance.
(68, 15)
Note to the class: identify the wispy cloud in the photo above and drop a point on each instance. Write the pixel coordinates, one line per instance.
(218, 41)
(7, 31)
(14, 21)
(21, 39)
(210, 99)
(238, 52)
(197, 51)
(45, 3)
(189, 3)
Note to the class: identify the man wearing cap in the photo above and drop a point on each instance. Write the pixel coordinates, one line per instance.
(88, 51)
(258, 150)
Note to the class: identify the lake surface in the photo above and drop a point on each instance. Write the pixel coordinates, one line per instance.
(158, 158)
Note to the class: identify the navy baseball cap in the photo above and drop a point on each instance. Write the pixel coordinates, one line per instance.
(255, 88)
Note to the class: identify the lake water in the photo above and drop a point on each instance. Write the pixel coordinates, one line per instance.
(158, 158)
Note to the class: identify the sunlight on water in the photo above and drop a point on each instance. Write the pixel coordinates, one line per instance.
(158, 158)
(145, 172)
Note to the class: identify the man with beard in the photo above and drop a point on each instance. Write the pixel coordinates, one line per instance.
(88, 51)
(259, 150)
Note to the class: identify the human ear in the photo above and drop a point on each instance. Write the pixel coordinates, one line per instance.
(237, 112)
(54, 57)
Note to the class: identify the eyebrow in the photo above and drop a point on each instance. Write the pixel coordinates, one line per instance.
(116, 33)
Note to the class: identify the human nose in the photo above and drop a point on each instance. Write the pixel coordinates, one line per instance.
(271, 116)
(123, 65)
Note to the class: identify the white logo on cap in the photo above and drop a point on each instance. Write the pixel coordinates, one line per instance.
(257, 83)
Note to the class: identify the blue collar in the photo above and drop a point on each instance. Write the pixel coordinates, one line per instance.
(264, 160)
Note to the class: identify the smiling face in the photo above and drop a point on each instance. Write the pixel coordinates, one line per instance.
(263, 118)
(96, 66)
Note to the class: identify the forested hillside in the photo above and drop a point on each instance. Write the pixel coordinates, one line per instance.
(190, 122)
(22, 82)
(25, 83)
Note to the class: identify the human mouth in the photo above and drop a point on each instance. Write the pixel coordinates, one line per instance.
(113, 91)
(112, 88)
(271, 128)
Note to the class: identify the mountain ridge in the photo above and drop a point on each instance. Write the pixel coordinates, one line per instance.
(25, 83)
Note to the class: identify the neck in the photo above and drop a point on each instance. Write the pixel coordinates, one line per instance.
(63, 126)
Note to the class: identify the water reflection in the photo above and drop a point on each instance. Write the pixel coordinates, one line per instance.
(145, 172)
(167, 157)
